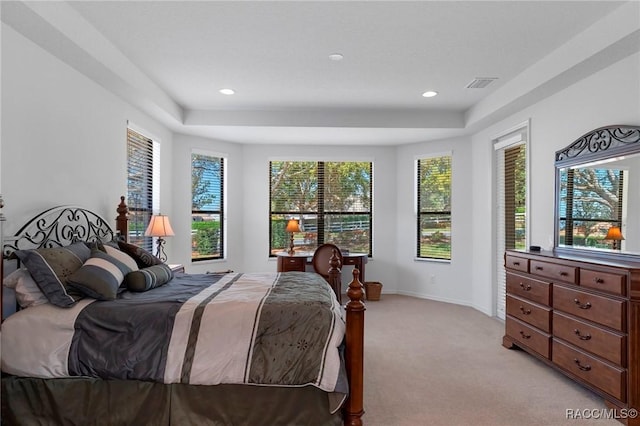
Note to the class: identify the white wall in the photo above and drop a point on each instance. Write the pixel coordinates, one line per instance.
(64, 137)
(611, 96)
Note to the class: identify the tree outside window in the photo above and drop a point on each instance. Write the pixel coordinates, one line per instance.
(331, 200)
(207, 174)
(591, 202)
(434, 208)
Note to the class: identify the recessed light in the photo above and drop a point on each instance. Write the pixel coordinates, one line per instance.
(227, 91)
(429, 94)
(336, 57)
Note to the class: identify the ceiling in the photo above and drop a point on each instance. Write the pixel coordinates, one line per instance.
(170, 58)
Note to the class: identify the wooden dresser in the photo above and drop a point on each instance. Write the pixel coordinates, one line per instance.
(581, 316)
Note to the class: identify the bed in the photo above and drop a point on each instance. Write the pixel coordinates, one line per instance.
(120, 345)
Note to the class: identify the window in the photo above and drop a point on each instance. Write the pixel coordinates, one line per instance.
(511, 172)
(207, 207)
(332, 201)
(591, 202)
(141, 155)
(434, 207)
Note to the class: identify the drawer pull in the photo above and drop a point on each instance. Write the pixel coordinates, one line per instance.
(582, 337)
(516, 263)
(539, 268)
(598, 280)
(580, 366)
(582, 306)
(525, 287)
(525, 311)
(525, 336)
(564, 274)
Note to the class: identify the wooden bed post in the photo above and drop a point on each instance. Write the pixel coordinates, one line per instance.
(335, 275)
(121, 221)
(354, 356)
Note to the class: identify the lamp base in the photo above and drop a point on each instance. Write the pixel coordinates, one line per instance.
(291, 249)
(160, 254)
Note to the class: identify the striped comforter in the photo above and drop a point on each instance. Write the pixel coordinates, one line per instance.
(274, 329)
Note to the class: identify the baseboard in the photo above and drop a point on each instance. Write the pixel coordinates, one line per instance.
(440, 299)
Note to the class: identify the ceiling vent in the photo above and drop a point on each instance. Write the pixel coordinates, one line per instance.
(480, 82)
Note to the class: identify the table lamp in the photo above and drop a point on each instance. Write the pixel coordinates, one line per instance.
(292, 226)
(615, 235)
(159, 227)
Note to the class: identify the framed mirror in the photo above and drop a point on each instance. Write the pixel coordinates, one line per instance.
(597, 203)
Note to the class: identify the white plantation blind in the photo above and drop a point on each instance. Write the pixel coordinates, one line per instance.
(331, 199)
(511, 211)
(141, 157)
(500, 243)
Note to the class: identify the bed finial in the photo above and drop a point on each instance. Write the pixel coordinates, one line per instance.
(122, 226)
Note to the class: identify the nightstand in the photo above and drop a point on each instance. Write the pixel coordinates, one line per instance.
(297, 262)
(177, 268)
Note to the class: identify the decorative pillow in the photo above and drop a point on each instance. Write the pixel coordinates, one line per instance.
(100, 276)
(51, 267)
(142, 257)
(121, 256)
(148, 278)
(27, 291)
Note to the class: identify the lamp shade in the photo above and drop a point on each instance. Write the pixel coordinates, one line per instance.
(293, 225)
(614, 233)
(159, 226)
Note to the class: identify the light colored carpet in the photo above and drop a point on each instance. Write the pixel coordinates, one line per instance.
(434, 363)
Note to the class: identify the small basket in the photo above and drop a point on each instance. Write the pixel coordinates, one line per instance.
(372, 289)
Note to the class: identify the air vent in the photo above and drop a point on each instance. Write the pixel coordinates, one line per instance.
(480, 82)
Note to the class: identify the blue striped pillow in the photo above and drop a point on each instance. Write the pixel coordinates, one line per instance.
(100, 276)
(148, 278)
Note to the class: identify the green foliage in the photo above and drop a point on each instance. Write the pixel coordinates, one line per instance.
(435, 184)
(206, 238)
(279, 237)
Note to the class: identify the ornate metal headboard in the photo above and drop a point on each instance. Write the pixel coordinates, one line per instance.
(58, 227)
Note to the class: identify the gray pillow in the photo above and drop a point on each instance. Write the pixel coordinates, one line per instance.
(100, 276)
(51, 267)
(148, 278)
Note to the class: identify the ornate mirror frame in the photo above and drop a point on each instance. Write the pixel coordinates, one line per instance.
(599, 145)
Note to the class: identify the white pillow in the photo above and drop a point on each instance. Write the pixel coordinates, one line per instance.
(27, 291)
(122, 257)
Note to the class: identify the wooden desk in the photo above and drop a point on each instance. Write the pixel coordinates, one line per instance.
(299, 262)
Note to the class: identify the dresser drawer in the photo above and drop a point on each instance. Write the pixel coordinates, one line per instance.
(603, 281)
(517, 263)
(554, 271)
(528, 336)
(529, 288)
(608, 378)
(600, 309)
(531, 313)
(605, 344)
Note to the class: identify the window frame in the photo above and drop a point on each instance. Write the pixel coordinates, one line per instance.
(420, 215)
(223, 199)
(321, 214)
